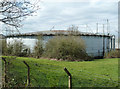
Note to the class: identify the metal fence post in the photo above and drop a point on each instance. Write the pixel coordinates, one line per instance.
(69, 77)
(28, 73)
(5, 71)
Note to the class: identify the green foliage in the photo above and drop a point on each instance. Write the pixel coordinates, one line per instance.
(66, 48)
(50, 73)
(15, 48)
(113, 54)
(3, 46)
(38, 48)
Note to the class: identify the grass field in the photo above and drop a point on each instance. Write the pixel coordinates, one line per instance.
(50, 73)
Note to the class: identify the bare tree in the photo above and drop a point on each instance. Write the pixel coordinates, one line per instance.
(12, 12)
(73, 29)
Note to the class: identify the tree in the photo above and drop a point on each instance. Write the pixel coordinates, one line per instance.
(13, 12)
(38, 48)
(73, 29)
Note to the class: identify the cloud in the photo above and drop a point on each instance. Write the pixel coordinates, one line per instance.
(92, 1)
(63, 14)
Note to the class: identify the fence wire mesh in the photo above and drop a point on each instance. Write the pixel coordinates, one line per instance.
(47, 75)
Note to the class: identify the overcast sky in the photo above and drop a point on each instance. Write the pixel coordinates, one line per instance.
(63, 13)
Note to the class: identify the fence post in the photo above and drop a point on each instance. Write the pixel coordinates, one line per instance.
(69, 77)
(5, 71)
(28, 73)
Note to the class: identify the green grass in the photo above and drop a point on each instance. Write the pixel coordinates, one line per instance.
(50, 73)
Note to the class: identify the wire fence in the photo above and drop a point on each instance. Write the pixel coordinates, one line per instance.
(52, 75)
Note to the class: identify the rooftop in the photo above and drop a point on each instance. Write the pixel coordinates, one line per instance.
(60, 32)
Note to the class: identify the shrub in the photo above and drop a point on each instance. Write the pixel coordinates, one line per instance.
(38, 48)
(113, 54)
(14, 48)
(3, 45)
(66, 48)
(25, 52)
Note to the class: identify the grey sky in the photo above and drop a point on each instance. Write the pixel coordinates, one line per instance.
(61, 15)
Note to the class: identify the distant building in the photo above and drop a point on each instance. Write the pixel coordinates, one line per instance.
(96, 44)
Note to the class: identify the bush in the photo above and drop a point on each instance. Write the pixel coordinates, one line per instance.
(3, 46)
(66, 48)
(14, 48)
(113, 54)
(38, 48)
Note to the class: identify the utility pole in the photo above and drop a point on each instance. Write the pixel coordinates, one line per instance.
(103, 42)
(86, 28)
(107, 27)
(108, 34)
(114, 42)
(96, 27)
(118, 26)
(103, 29)
(118, 39)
